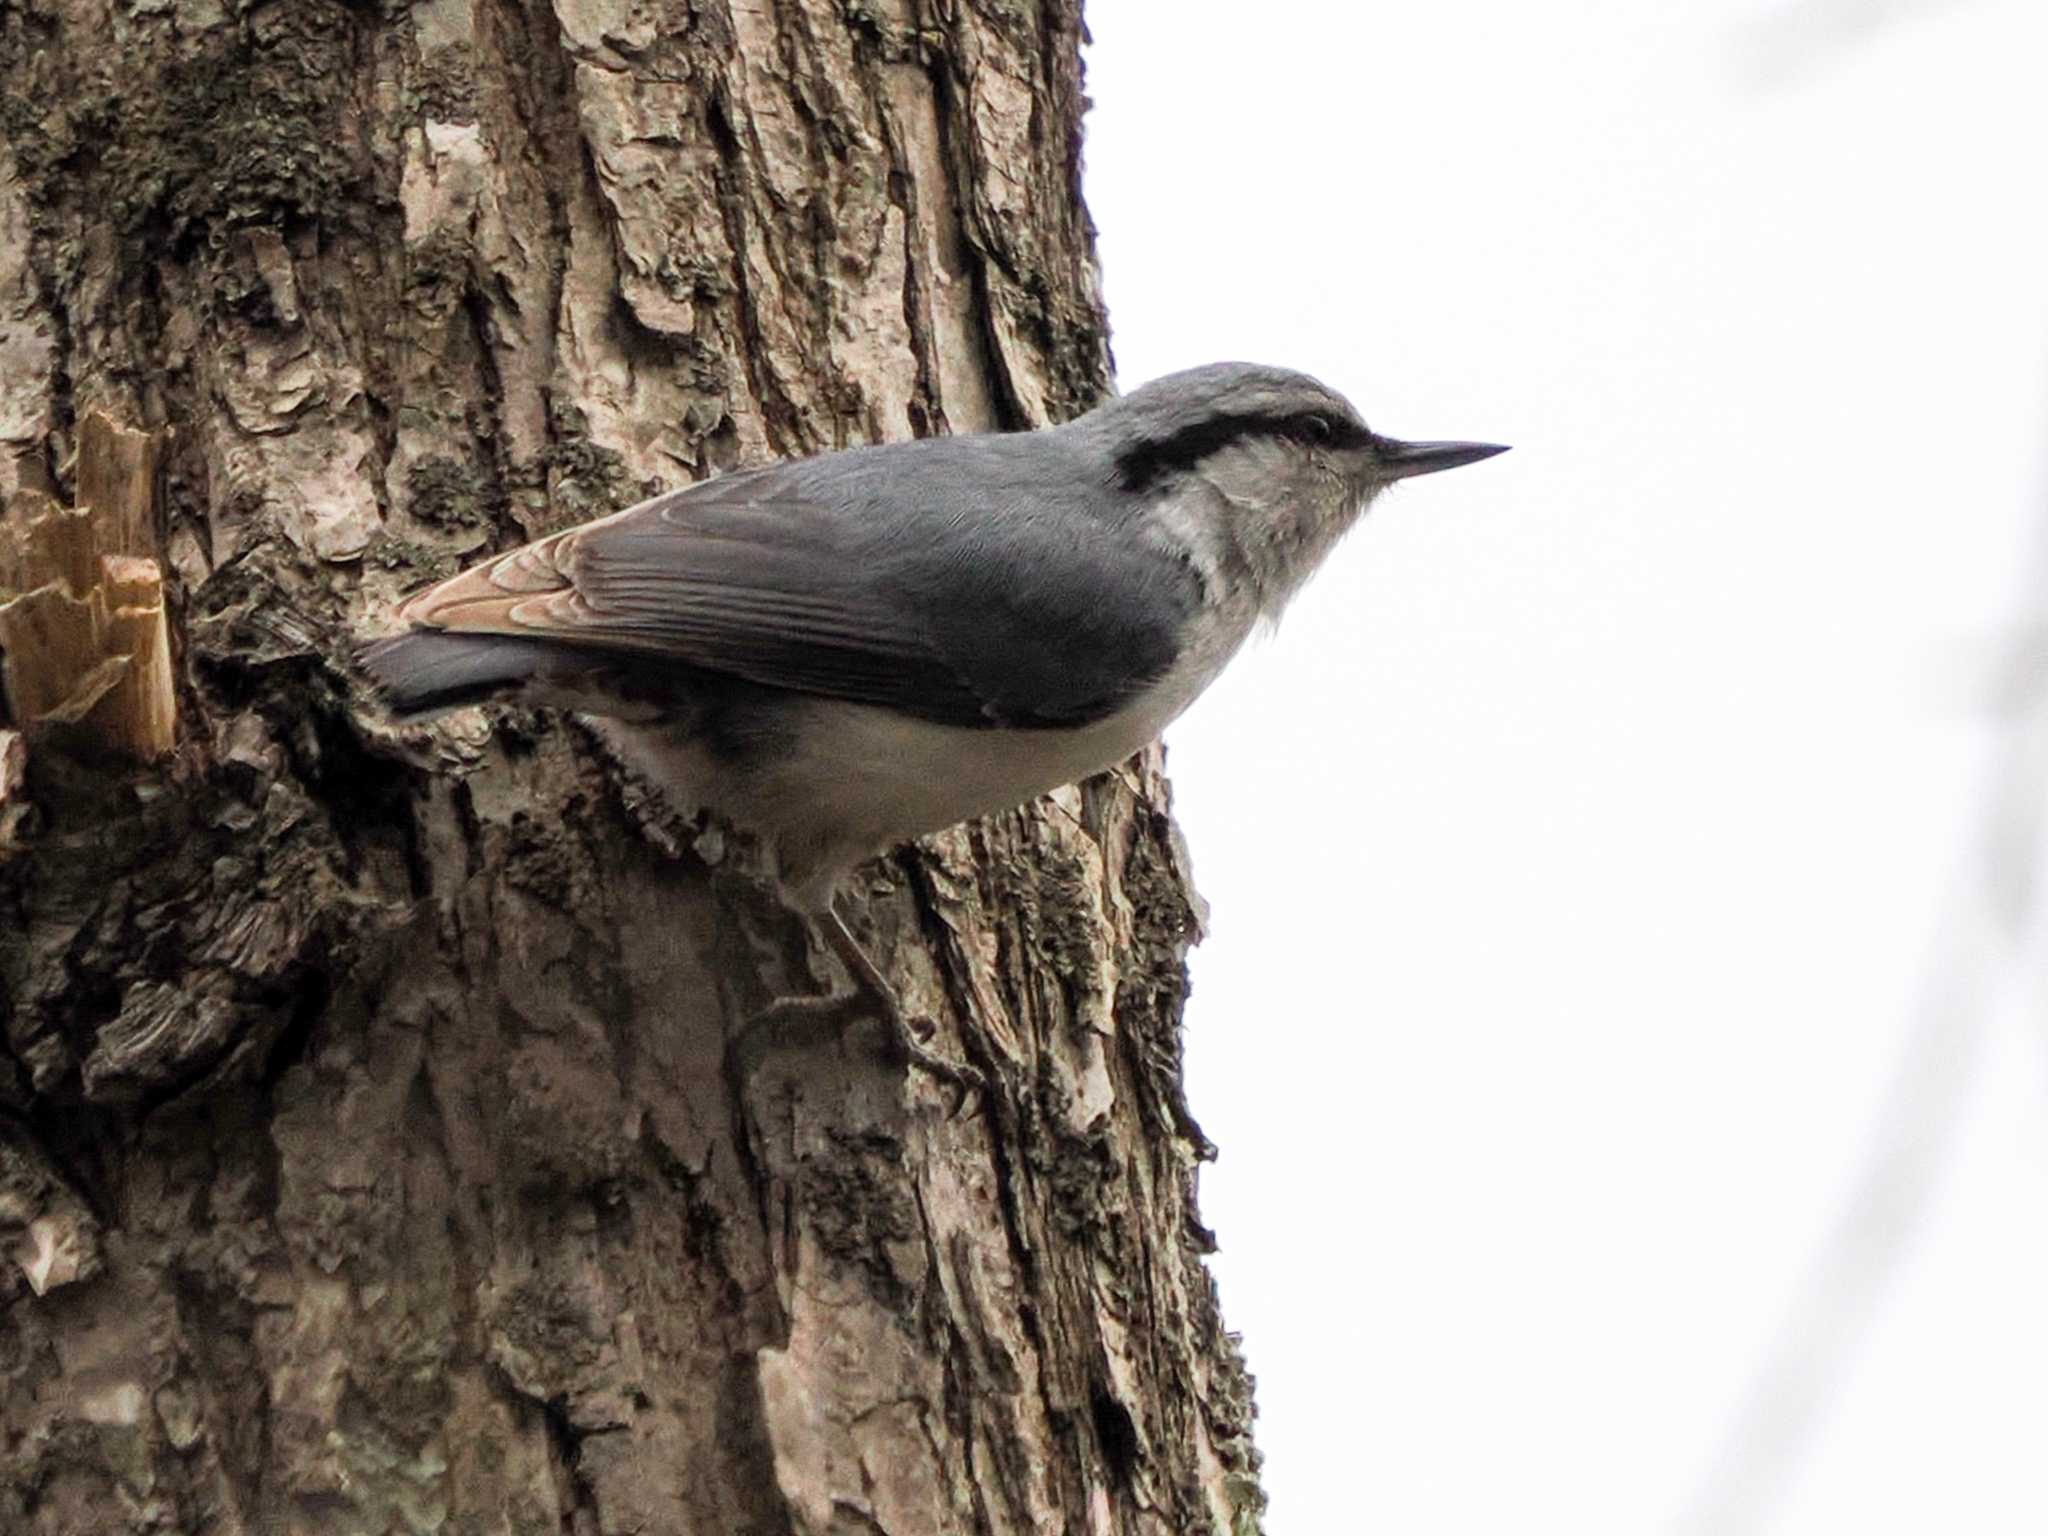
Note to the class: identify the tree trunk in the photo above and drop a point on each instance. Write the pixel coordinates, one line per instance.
(373, 1156)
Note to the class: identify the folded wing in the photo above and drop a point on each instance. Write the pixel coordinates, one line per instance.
(1004, 613)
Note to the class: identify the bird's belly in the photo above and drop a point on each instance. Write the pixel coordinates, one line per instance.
(896, 777)
(830, 783)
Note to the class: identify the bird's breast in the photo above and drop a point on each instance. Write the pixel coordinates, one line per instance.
(881, 778)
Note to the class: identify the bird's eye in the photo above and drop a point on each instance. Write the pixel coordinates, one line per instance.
(1317, 428)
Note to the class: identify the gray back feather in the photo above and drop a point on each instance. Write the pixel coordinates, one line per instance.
(972, 581)
(997, 580)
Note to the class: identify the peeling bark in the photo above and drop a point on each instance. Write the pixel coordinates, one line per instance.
(371, 1155)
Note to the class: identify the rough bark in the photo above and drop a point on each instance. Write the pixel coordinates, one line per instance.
(372, 1154)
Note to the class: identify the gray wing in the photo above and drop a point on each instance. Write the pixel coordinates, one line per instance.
(921, 578)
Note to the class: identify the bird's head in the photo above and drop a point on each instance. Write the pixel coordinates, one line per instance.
(1181, 423)
(1273, 462)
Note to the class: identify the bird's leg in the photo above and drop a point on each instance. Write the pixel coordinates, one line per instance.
(870, 988)
(910, 1033)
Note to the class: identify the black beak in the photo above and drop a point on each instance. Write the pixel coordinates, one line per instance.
(1398, 460)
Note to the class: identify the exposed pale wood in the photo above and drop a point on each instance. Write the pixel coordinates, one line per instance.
(42, 541)
(140, 714)
(54, 665)
(84, 636)
(117, 478)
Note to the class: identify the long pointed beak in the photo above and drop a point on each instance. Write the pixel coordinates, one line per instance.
(1399, 460)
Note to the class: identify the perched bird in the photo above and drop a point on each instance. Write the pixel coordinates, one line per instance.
(842, 653)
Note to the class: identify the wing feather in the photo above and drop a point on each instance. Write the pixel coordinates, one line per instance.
(798, 578)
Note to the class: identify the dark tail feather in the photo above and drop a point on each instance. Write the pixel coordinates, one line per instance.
(425, 671)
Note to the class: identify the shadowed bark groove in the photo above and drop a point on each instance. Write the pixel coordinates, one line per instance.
(371, 1155)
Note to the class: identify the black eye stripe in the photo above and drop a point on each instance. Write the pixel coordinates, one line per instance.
(1146, 463)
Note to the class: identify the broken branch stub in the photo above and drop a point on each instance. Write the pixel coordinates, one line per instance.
(84, 638)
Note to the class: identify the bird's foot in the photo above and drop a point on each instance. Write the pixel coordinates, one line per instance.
(908, 1035)
(908, 1032)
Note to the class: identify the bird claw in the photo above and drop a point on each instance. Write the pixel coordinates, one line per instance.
(909, 1035)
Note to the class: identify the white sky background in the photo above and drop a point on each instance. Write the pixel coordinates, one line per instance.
(1628, 1121)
